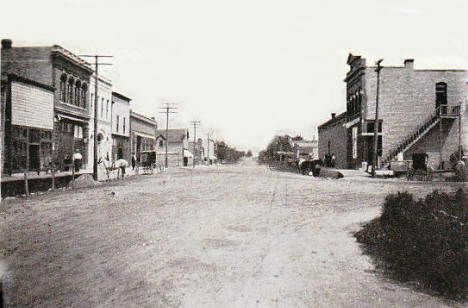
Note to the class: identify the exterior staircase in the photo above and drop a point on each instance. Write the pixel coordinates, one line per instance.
(442, 112)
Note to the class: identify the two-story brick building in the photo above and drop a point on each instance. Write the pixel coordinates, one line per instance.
(143, 133)
(69, 76)
(121, 127)
(418, 113)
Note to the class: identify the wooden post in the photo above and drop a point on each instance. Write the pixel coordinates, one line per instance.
(73, 176)
(26, 186)
(53, 178)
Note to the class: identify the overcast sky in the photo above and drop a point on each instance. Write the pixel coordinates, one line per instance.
(249, 69)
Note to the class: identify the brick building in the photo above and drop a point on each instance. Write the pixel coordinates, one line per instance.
(121, 127)
(68, 75)
(332, 139)
(143, 133)
(178, 153)
(104, 117)
(418, 113)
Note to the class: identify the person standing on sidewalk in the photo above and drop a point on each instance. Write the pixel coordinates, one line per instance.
(77, 160)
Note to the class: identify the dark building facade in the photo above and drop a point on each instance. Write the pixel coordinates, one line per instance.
(143, 134)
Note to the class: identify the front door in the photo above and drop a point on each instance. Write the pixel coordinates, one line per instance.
(34, 162)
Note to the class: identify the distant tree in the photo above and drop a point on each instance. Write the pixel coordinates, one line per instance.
(278, 143)
(249, 153)
(226, 153)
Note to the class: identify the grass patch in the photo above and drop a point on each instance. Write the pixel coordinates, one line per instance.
(423, 240)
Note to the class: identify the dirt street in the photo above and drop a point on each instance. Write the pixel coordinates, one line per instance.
(233, 236)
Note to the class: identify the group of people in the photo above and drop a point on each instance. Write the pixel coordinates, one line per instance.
(330, 160)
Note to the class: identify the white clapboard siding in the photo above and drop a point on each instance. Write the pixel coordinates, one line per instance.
(31, 106)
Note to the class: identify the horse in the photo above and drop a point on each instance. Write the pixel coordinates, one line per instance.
(309, 167)
(117, 164)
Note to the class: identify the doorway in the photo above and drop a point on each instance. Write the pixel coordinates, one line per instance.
(34, 162)
(441, 94)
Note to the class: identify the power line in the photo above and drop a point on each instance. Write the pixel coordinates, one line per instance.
(96, 65)
(195, 125)
(168, 108)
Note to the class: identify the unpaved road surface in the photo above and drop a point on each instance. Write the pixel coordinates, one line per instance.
(233, 236)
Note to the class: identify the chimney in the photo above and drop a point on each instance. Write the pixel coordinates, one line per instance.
(6, 43)
(409, 64)
(333, 115)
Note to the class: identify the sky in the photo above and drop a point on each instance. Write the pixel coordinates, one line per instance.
(246, 69)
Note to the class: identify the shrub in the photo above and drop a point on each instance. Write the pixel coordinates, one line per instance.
(424, 240)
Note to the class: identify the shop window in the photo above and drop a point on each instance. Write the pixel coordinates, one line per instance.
(370, 126)
(161, 143)
(78, 131)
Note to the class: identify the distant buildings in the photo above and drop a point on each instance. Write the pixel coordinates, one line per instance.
(307, 149)
(143, 133)
(197, 150)
(418, 113)
(121, 143)
(178, 153)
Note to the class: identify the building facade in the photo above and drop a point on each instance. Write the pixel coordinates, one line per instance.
(178, 153)
(332, 140)
(104, 117)
(197, 150)
(419, 112)
(121, 145)
(69, 76)
(28, 122)
(143, 134)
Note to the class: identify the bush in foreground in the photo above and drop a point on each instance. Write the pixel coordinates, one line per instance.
(424, 240)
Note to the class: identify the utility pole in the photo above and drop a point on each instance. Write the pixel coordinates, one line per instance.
(168, 108)
(210, 132)
(459, 132)
(376, 123)
(195, 125)
(96, 78)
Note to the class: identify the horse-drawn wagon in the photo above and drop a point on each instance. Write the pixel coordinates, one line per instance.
(147, 161)
(418, 167)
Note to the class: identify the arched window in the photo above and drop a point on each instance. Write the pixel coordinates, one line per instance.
(84, 94)
(78, 93)
(63, 88)
(70, 91)
(441, 94)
